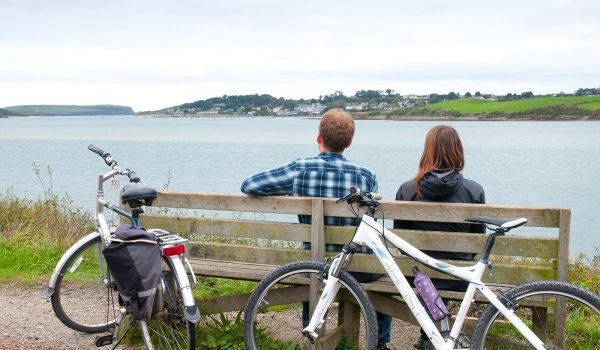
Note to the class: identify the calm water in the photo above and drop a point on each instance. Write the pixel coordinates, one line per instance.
(536, 163)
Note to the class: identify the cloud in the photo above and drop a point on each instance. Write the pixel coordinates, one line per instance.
(155, 54)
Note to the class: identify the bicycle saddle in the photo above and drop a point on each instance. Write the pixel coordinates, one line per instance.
(504, 223)
(136, 197)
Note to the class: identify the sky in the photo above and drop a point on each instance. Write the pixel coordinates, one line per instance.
(155, 54)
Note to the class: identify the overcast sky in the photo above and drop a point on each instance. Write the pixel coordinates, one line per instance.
(155, 54)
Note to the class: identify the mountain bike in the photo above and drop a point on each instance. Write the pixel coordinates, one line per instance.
(521, 317)
(84, 296)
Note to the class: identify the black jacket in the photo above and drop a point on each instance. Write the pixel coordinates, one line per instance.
(446, 187)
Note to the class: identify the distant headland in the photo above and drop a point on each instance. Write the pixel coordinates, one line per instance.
(65, 110)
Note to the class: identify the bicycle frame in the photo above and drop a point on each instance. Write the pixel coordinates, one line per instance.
(178, 262)
(369, 233)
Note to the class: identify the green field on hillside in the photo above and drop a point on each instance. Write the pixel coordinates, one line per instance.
(473, 105)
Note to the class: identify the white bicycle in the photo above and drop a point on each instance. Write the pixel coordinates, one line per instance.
(277, 314)
(84, 297)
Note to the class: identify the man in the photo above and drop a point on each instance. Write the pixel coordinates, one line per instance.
(329, 175)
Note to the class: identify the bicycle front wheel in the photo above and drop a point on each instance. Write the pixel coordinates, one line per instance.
(169, 329)
(537, 305)
(277, 311)
(82, 298)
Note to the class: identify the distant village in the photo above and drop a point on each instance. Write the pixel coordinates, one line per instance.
(363, 101)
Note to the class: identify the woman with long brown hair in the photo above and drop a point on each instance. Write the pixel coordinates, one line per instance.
(439, 180)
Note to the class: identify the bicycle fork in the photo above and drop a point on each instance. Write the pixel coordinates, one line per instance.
(332, 286)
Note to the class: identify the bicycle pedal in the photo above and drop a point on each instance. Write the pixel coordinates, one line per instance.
(104, 340)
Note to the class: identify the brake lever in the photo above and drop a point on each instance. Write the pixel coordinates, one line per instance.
(343, 199)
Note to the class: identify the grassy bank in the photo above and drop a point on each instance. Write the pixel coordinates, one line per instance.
(560, 107)
(473, 105)
(35, 233)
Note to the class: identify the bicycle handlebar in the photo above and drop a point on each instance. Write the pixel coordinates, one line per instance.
(356, 195)
(133, 176)
(98, 150)
(111, 162)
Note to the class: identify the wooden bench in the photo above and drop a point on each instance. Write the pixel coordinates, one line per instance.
(228, 254)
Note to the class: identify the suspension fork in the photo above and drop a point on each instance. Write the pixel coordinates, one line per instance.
(332, 286)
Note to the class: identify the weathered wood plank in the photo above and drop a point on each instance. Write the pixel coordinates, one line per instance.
(564, 240)
(454, 212)
(234, 202)
(446, 212)
(231, 269)
(230, 227)
(541, 247)
(502, 273)
(287, 295)
(526, 246)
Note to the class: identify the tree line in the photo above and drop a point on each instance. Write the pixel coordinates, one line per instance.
(266, 103)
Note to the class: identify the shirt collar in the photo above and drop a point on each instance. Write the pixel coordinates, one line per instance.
(331, 155)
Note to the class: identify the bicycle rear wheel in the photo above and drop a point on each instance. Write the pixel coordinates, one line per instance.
(170, 329)
(277, 311)
(536, 303)
(82, 298)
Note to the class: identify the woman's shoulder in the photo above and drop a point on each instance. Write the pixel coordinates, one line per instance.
(406, 191)
(471, 184)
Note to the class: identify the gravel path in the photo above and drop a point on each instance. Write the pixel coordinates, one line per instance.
(27, 321)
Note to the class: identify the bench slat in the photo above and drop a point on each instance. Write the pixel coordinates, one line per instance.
(234, 202)
(454, 212)
(502, 273)
(450, 241)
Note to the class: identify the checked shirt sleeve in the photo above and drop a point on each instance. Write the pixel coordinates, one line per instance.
(278, 181)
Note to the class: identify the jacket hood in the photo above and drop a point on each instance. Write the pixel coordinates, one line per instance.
(438, 185)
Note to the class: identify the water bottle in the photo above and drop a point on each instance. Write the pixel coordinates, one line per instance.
(429, 296)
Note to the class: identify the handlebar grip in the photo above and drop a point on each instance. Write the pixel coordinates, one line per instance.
(133, 177)
(97, 150)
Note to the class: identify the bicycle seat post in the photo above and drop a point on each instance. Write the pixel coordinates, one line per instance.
(489, 244)
(135, 216)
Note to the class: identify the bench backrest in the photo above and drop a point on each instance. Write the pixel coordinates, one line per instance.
(537, 257)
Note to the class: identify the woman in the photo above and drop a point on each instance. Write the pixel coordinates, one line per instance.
(439, 180)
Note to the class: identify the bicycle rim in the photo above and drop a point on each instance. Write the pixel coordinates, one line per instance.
(169, 329)
(278, 311)
(537, 305)
(82, 300)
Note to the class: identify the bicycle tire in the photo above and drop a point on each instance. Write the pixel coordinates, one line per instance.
(81, 300)
(582, 326)
(273, 319)
(171, 330)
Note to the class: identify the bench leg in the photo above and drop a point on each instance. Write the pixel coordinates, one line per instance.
(540, 322)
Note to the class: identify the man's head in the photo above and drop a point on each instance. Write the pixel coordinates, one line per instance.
(335, 131)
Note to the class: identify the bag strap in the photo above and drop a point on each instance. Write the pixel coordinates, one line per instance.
(132, 241)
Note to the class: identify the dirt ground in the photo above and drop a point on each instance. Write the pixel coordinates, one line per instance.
(27, 321)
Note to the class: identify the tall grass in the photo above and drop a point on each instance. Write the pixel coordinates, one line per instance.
(35, 233)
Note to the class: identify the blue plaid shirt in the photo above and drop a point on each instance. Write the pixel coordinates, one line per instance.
(327, 175)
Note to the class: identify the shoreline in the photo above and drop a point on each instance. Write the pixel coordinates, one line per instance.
(356, 117)
(382, 117)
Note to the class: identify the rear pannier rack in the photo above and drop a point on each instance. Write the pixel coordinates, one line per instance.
(167, 238)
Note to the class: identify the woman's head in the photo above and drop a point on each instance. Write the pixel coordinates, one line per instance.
(443, 151)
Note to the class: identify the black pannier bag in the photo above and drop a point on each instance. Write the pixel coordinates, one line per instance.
(134, 261)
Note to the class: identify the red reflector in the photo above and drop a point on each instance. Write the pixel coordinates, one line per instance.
(175, 250)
